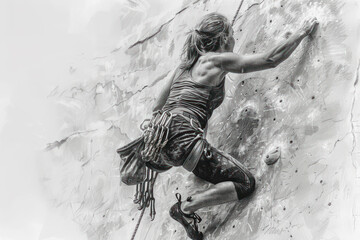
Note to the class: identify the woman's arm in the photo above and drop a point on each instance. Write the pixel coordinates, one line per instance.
(232, 62)
(161, 100)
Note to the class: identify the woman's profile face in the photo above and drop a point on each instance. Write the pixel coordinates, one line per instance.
(231, 41)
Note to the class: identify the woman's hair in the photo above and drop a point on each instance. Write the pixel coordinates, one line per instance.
(207, 36)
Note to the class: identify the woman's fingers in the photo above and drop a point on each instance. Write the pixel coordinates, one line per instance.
(310, 25)
(313, 26)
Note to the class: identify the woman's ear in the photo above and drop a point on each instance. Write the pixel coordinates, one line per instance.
(226, 42)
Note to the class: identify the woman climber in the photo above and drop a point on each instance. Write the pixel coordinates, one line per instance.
(195, 89)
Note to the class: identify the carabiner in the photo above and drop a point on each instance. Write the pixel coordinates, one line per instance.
(142, 124)
(197, 128)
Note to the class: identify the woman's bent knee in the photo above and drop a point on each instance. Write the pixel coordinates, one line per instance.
(245, 189)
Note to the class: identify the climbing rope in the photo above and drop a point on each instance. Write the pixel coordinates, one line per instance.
(138, 223)
(144, 196)
(237, 12)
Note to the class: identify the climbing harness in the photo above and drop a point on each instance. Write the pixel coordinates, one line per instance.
(201, 145)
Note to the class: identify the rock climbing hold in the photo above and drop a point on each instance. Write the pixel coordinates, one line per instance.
(313, 97)
(291, 141)
(280, 100)
(274, 119)
(273, 156)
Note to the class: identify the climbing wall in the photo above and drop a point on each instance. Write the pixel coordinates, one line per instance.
(307, 106)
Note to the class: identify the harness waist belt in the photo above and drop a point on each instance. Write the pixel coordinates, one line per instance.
(194, 156)
(188, 117)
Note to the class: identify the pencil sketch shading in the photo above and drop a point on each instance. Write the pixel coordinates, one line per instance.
(295, 127)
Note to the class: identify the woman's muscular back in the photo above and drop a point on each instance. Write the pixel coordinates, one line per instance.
(205, 72)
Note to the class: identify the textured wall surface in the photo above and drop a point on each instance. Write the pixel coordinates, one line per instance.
(308, 106)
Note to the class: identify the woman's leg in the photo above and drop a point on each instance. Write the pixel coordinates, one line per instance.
(232, 181)
(219, 193)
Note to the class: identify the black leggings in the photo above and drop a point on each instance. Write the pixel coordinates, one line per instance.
(219, 166)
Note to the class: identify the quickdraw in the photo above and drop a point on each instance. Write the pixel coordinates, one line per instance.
(155, 135)
(144, 195)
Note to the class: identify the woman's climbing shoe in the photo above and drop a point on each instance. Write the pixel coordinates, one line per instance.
(177, 214)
